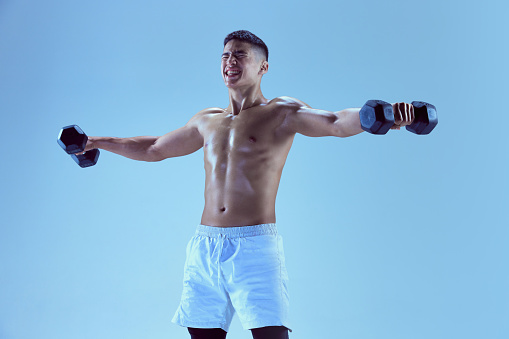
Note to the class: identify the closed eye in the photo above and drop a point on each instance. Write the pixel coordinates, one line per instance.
(235, 54)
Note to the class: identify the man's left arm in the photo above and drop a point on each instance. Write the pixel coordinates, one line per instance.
(313, 122)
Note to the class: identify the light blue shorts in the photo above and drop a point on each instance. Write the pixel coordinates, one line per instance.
(234, 269)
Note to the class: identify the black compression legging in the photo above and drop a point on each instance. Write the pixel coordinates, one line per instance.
(269, 332)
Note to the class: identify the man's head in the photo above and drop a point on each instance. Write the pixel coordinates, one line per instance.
(244, 59)
(252, 39)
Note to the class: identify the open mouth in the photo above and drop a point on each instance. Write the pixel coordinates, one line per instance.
(231, 73)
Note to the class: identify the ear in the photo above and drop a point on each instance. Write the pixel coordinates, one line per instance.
(264, 68)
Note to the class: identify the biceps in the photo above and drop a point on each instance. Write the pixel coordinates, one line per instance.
(314, 122)
(183, 141)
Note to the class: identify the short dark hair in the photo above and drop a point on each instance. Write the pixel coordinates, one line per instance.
(249, 37)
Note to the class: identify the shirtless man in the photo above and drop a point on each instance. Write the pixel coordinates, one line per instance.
(235, 262)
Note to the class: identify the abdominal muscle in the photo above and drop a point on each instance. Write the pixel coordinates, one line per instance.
(241, 193)
(231, 209)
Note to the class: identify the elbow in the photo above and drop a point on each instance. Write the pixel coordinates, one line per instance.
(345, 133)
(154, 159)
(347, 124)
(338, 128)
(342, 134)
(153, 154)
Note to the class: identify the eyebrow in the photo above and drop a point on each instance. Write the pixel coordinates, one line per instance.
(235, 52)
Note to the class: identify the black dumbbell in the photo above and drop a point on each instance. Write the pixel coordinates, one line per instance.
(425, 118)
(377, 117)
(73, 140)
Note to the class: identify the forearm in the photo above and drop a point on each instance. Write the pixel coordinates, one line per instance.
(348, 122)
(136, 148)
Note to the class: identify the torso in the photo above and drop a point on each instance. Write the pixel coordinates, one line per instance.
(244, 157)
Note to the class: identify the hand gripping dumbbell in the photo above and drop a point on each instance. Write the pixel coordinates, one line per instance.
(73, 140)
(377, 117)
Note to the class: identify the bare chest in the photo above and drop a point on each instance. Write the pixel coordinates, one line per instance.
(242, 134)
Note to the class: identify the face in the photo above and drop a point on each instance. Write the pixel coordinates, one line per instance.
(241, 65)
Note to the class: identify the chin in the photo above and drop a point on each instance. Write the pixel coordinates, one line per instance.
(232, 86)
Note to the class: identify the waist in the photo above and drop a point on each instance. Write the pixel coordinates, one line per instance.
(236, 231)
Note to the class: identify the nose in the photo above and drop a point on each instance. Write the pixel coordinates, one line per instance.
(231, 60)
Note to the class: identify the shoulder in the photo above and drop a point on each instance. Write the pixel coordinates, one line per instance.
(290, 102)
(290, 107)
(204, 114)
(211, 111)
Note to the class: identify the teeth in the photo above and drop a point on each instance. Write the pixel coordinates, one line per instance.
(232, 72)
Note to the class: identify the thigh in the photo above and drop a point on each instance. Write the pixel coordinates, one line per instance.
(270, 332)
(257, 282)
(206, 333)
(204, 302)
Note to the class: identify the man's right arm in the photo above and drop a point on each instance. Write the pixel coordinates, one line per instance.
(182, 141)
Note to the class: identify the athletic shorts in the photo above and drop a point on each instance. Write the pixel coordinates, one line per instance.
(234, 269)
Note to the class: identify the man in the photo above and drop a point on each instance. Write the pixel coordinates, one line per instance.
(235, 261)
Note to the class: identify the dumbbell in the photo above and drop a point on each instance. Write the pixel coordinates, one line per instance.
(73, 140)
(377, 117)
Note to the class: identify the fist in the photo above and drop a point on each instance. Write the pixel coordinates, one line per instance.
(403, 114)
(88, 146)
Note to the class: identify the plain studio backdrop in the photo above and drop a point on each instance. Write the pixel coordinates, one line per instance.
(386, 237)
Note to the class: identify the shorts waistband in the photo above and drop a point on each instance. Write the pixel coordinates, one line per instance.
(237, 231)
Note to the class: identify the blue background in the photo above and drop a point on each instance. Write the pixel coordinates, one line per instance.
(395, 236)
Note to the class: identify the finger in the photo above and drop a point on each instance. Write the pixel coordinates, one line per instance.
(406, 113)
(401, 110)
(82, 152)
(409, 113)
(397, 114)
(408, 118)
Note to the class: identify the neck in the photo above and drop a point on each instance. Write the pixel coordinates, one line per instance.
(242, 99)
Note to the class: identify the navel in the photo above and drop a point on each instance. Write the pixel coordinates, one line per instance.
(222, 209)
(252, 139)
